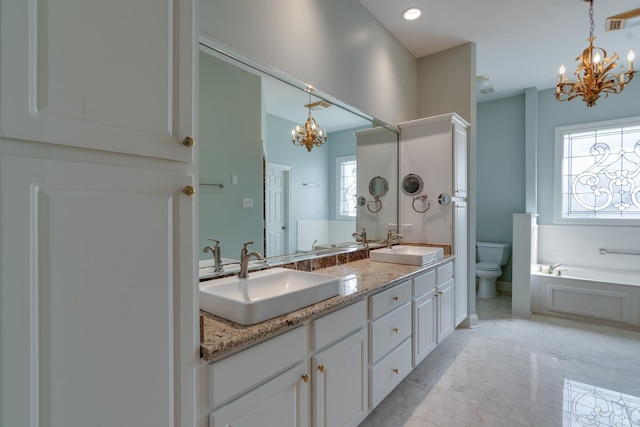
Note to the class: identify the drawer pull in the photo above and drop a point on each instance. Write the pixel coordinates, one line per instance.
(322, 368)
(306, 378)
(396, 297)
(396, 371)
(396, 330)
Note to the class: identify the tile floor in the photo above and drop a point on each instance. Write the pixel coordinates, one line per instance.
(538, 371)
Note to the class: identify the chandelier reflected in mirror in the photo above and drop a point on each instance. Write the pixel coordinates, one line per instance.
(596, 74)
(309, 135)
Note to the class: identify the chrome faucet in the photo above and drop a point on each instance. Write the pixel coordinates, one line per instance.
(217, 260)
(362, 234)
(553, 267)
(391, 236)
(245, 256)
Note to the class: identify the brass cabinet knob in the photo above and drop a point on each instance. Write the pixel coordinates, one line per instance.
(306, 378)
(189, 190)
(396, 371)
(396, 330)
(189, 142)
(322, 368)
(396, 297)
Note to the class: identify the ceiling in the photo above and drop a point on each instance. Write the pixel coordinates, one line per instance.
(519, 44)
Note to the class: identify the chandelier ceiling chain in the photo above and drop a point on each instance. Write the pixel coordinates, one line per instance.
(595, 74)
(309, 135)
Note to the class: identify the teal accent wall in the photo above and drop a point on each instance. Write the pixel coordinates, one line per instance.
(500, 170)
(552, 114)
(501, 155)
(230, 144)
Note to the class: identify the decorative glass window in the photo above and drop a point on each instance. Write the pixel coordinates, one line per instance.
(598, 172)
(346, 183)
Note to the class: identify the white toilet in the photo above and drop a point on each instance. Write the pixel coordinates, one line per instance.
(490, 257)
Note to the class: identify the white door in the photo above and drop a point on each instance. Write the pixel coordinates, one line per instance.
(281, 402)
(424, 326)
(445, 309)
(460, 262)
(276, 209)
(111, 75)
(98, 295)
(340, 382)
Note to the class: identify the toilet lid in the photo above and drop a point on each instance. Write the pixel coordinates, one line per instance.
(488, 266)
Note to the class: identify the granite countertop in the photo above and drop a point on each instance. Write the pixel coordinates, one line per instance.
(358, 279)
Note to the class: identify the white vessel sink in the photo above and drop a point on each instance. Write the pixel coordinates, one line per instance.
(412, 255)
(265, 294)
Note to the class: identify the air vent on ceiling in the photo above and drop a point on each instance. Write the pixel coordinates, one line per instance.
(319, 105)
(623, 20)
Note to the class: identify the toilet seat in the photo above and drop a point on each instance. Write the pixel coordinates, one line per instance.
(488, 266)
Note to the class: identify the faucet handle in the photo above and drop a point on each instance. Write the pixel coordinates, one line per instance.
(245, 244)
(214, 240)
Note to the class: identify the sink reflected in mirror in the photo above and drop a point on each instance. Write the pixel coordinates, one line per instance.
(265, 294)
(411, 255)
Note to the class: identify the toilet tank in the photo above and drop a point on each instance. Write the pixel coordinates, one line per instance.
(493, 252)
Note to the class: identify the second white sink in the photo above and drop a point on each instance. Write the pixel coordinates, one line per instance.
(412, 255)
(265, 294)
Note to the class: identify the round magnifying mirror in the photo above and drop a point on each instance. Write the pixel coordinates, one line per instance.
(412, 184)
(378, 186)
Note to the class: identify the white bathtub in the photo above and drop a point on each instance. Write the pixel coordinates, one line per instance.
(595, 293)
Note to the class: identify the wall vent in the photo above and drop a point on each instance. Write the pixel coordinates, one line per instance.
(623, 20)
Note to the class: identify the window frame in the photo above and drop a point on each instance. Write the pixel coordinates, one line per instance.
(339, 161)
(557, 172)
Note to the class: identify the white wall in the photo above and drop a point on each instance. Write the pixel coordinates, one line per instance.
(334, 45)
(578, 246)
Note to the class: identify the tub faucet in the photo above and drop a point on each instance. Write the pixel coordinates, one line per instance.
(553, 267)
(245, 256)
(391, 236)
(215, 251)
(362, 234)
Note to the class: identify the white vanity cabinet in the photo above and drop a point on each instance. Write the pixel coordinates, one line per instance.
(339, 366)
(267, 384)
(433, 310)
(282, 401)
(389, 340)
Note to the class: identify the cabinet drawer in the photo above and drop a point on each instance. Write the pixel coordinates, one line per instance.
(385, 375)
(424, 283)
(239, 372)
(389, 331)
(338, 324)
(444, 273)
(388, 300)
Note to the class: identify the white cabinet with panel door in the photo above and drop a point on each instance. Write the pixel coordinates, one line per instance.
(461, 291)
(97, 307)
(99, 303)
(106, 75)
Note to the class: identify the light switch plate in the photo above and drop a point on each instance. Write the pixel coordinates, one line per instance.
(247, 202)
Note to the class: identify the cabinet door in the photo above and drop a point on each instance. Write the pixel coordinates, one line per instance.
(461, 290)
(109, 75)
(424, 326)
(340, 382)
(445, 309)
(281, 402)
(459, 161)
(98, 299)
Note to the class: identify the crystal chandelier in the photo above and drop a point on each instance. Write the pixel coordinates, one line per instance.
(595, 75)
(310, 135)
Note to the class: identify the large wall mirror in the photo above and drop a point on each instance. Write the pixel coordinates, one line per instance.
(255, 184)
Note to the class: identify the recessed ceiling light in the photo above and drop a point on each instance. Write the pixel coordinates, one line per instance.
(412, 13)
